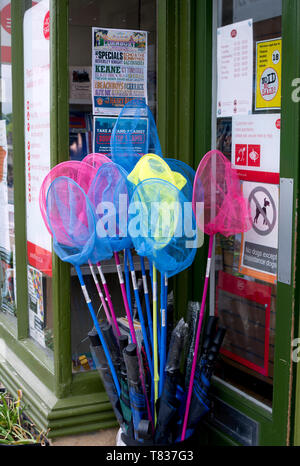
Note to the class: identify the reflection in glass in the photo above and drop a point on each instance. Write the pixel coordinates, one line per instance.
(245, 305)
(7, 230)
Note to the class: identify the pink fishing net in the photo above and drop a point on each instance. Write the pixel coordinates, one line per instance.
(80, 172)
(71, 219)
(218, 203)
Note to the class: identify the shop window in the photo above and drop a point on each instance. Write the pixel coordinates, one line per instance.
(105, 16)
(247, 130)
(7, 230)
(36, 36)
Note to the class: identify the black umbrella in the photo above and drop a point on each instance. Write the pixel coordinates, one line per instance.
(101, 364)
(112, 346)
(169, 402)
(124, 397)
(136, 395)
(200, 402)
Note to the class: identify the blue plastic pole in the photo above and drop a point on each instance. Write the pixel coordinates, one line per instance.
(147, 300)
(140, 313)
(158, 326)
(97, 327)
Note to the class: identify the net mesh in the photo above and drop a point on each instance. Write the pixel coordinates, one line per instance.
(186, 171)
(153, 166)
(80, 172)
(71, 219)
(134, 135)
(162, 226)
(96, 160)
(110, 197)
(217, 199)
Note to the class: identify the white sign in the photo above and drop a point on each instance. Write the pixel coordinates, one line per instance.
(5, 245)
(235, 69)
(36, 305)
(259, 248)
(258, 10)
(119, 69)
(80, 84)
(256, 147)
(37, 128)
(4, 215)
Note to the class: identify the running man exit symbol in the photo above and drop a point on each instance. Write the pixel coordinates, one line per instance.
(241, 154)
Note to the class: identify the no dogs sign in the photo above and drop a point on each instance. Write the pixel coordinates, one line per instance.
(259, 246)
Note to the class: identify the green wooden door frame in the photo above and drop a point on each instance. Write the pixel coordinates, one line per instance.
(184, 121)
(276, 427)
(59, 148)
(290, 151)
(176, 98)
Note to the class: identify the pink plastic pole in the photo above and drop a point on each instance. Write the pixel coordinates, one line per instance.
(107, 295)
(197, 341)
(124, 296)
(132, 331)
(100, 293)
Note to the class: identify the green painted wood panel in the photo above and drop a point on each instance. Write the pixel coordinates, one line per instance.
(59, 147)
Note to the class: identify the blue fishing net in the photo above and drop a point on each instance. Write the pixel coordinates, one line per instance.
(162, 225)
(185, 170)
(109, 194)
(71, 219)
(134, 135)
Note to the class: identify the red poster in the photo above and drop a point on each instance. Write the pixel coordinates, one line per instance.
(243, 308)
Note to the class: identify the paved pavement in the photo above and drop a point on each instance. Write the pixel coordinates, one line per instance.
(105, 437)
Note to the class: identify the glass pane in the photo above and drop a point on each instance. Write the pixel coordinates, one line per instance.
(36, 30)
(248, 133)
(132, 15)
(7, 229)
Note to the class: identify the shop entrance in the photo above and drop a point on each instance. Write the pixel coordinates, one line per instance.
(252, 271)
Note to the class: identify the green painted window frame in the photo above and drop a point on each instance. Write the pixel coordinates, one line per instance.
(184, 123)
(16, 336)
(281, 427)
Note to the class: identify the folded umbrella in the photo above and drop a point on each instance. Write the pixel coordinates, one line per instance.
(200, 401)
(136, 395)
(169, 401)
(102, 367)
(124, 396)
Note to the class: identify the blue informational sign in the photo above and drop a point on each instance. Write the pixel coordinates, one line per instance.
(103, 127)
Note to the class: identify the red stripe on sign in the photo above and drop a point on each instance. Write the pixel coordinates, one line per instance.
(259, 177)
(39, 258)
(5, 54)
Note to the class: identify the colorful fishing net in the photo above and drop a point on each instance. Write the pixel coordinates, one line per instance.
(109, 196)
(71, 219)
(153, 166)
(217, 197)
(134, 135)
(162, 225)
(79, 172)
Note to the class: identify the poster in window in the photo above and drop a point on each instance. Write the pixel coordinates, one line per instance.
(37, 130)
(36, 305)
(259, 246)
(268, 74)
(235, 69)
(119, 71)
(80, 84)
(103, 127)
(255, 150)
(7, 272)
